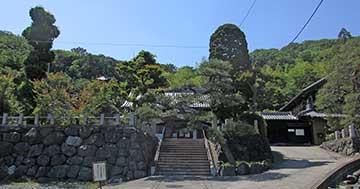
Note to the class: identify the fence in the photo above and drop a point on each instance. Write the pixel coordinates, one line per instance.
(37, 120)
(344, 133)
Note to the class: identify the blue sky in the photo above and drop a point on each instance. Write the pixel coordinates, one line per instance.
(271, 24)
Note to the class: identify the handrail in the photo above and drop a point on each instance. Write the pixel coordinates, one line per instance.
(209, 154)
(157, 154)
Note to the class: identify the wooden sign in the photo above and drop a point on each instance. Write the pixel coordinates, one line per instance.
(99, 171)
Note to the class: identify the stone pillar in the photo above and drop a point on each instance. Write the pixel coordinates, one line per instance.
(214, 122)
(102, 119)
(51, 119)
(337, 135)
(256, 126)
(21, 119)
(132, 119)
(343, 133)
(117, 119)
(153, 127)
(4, 119)
(195, 134)
(36, 120)
(85, 120)
(352, 133)
(226, 122)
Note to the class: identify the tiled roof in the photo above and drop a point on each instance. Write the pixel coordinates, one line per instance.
(322, 115)
(303, 93)
(201, 101)
(278, 116)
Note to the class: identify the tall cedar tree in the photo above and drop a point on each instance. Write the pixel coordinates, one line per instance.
(228, 43)
(40, 35)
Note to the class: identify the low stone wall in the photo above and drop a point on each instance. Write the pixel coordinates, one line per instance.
(56, 153)
(344, 146)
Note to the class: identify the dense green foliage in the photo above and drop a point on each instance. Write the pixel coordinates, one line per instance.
(40, 35)
(228, 43)
(341, 93)
(283, 73)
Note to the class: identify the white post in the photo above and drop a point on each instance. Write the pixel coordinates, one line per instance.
(21, 119)
(226, 122)
(117, 119)
(256, 126)
(36, 120)
(352, 133)
(51, 119)
(102, 119)
(4, 119)
(153, 127)
(132, 119)
(85, 120)
(194, 134)
(214, 122)
(337, 135)
(343, 134)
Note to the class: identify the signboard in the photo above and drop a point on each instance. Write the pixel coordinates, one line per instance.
(99, 170)
(299, 132)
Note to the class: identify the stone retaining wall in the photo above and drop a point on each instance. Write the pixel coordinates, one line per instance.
(249, 148)
(56, 153)
(344, 146)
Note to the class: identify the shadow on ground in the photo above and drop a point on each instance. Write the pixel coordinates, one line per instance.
(258, 178)
(299, 164)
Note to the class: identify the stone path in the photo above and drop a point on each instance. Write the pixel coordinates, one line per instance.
(300, 168)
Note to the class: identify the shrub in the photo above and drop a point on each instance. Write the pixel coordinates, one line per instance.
(237, 129)
(215, 135)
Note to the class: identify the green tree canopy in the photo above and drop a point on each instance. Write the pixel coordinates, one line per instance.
(228, 43)
(140, 75)
(225, 100)
(40, 35)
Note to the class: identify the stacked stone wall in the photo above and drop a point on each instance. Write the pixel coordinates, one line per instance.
(57, 153)
(345, 146)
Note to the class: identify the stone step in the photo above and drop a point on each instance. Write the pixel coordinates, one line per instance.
(182, 156)
(183, 174)
(182, 147)
(183, 139)
(167, 158)
(183, 143)
(182, 161)
(190, 163)
(182, 166)
(184, 169)
(183, 152)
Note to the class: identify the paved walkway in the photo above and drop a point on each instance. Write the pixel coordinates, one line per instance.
(301, 166)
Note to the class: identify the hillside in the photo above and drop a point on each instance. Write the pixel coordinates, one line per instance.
(284, 72)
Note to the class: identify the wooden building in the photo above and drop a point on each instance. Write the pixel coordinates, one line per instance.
(298, 122)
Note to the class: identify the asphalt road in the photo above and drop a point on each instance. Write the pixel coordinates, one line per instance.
(299, 167)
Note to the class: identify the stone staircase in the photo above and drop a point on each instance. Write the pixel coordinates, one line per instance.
(183, 157)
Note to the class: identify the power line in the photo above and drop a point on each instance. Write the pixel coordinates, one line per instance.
(125, 44)
(248, 12)
(302, 29)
